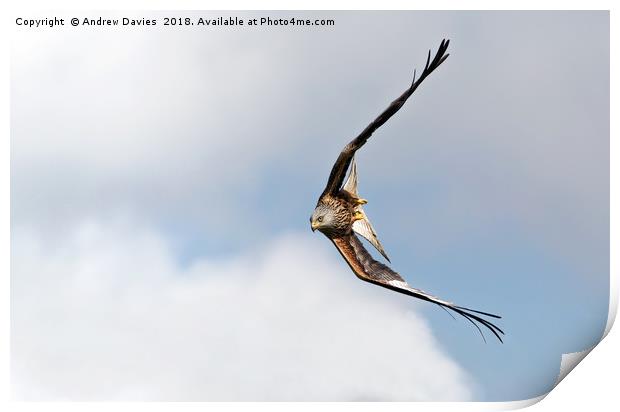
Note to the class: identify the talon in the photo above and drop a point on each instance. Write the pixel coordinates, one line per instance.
(357, 215)
(361, 201)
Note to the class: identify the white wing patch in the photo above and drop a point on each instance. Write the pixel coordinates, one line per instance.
(404, 285)
(399, 284)
(351, 184)
(362, 227)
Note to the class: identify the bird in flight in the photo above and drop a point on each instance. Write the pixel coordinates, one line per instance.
(339, 214)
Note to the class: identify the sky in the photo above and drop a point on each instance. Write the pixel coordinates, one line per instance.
(162, 179)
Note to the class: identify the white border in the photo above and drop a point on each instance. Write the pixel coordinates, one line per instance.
(590, 386)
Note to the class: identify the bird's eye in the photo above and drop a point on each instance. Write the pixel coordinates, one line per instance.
(320, 219)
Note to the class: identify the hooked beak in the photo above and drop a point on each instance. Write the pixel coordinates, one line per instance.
(314, 226)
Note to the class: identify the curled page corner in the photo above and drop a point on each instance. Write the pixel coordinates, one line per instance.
(567, 364)
(569, 361)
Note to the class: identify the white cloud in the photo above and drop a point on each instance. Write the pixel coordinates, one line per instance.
(107, 313)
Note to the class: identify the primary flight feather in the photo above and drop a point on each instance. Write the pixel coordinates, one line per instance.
(339, 214)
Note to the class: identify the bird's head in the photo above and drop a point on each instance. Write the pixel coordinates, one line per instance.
(323, 218)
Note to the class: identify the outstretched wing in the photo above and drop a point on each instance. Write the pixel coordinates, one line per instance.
(369, 270)
(351, 184)
(362, 227)
(339, 170)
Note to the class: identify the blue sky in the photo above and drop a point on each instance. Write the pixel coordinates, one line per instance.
(208, 149)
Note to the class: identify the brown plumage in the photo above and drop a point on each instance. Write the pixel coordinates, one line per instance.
(339, 215)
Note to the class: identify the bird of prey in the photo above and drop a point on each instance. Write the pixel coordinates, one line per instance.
(339, 214)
